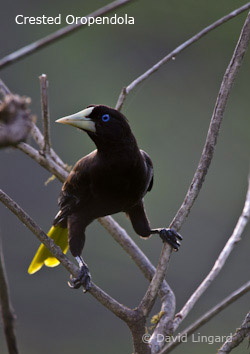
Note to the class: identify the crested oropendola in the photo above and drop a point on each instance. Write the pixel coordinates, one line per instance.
(113, 178)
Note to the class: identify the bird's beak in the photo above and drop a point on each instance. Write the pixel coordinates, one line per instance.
(80, 120)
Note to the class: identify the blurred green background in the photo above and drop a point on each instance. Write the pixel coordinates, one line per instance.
(169, 115)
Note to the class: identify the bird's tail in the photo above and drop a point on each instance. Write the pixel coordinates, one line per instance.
(43, 256)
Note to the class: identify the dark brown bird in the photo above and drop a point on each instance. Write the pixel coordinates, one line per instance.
(111, 179)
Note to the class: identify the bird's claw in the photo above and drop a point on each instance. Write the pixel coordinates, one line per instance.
(83, 279)
(171, 237)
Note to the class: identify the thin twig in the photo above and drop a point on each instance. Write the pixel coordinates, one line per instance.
(45, 113)
(126, 90)
(8, 315)
(238, 337)
(33, 47)
(204, 163)
(220, 262)
(119, 310)
(208, 316)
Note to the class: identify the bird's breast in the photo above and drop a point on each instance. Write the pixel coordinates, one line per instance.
(118, 185)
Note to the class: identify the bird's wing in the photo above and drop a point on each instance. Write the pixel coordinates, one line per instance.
(76, 185)
(150, 171)
(68, 203)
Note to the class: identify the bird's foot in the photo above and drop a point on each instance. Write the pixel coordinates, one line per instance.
(83, 279)
(170, 236)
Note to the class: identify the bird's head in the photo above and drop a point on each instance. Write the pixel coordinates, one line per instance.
(103, 124)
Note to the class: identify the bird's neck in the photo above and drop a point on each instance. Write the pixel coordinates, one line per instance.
(126, 147)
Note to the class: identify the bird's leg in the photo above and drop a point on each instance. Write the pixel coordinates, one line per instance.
(142, 227)
(84, 277)
(170, 236)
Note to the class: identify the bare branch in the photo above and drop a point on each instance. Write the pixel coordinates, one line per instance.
(220, 262)
(119, 310)
(126, 90)
(8, 315)
(33, 47)
(208, 316)
(45, 113)
(204, 163)
(238, 337)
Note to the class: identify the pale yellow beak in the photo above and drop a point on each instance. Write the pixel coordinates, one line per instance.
(80, 120)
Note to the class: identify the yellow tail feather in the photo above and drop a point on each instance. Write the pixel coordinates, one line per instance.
(43, 256)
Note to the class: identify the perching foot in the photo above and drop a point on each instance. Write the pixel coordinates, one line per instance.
(83, 279)
(170, 236)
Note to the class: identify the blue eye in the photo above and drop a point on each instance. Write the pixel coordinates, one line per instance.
(105, 118)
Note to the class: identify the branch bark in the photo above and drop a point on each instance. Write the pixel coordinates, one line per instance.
(238, 337)
(33, 47)
(204, 163)
(208, 316)
(126, 90)
(8, 315)
(45, 113)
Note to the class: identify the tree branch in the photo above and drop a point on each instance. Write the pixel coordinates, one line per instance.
(238, 337)
(208, 316)
(220, 262)
(126, 90)
(33, 47)
(204, 163)
(45, 113)
(8, 315)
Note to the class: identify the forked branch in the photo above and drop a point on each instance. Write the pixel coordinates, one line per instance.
(203, 166)
(45, 113)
